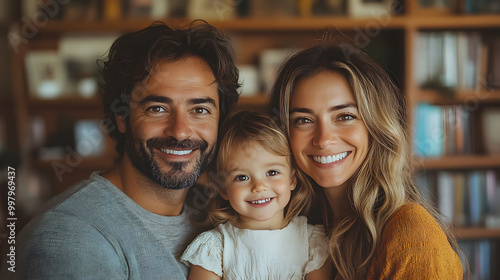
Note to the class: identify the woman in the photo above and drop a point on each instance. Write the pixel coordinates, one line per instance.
(346, 124)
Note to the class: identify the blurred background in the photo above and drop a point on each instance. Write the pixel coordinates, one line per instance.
(443, 54)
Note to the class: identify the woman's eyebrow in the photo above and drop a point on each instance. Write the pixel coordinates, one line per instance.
(333, 108)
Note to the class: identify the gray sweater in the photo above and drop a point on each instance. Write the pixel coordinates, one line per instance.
(95, 231)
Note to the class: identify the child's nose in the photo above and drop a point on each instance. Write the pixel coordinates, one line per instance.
(259, 186)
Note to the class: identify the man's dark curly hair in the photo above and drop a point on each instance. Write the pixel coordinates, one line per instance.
(132, 56)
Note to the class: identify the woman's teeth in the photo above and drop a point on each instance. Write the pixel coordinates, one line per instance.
(176, 152)
(329, 159)
(260, 201)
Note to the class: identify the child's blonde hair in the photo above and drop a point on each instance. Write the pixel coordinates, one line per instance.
(238, 130)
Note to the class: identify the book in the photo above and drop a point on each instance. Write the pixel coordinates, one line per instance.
(429, 135)
(493, 77)
(446, 189)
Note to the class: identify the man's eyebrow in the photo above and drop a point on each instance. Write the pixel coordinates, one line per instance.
(155, 98)
(209, 100)
(164, 99)
(333, 108)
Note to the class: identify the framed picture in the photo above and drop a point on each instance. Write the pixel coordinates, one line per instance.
(44, 73)
(369, 8)
(79, 55)
(214, 10)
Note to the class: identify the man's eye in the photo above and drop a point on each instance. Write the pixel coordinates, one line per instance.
(201, 110)
(272, 172)
(241, 178)
(156, 109)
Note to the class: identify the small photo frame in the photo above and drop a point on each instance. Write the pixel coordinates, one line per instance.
(213, 10)
(369, 8)
(44, 74)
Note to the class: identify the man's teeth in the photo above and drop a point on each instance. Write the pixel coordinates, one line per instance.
(329, 159)
(176, 152)
(260, 201)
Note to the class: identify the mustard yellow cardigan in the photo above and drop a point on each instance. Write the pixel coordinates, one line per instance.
(413, 246)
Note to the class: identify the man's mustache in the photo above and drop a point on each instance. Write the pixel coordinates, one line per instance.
(172, 143)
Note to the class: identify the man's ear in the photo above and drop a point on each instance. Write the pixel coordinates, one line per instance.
(121, 122)
(293, 179)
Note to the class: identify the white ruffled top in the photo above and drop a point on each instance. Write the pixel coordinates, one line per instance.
(233, 253)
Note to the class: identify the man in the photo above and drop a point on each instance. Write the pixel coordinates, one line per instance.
(165, 92)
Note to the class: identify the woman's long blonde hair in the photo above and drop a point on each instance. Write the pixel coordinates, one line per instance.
(385, 181)
(238, 130)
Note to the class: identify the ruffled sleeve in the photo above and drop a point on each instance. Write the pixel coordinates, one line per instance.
(318, 248)
(205, 251)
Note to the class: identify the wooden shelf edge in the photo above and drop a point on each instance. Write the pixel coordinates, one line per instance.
(259, 99)
(460, 96)
(287, 23)
(459, 162)
(64, 103)
(476, 233)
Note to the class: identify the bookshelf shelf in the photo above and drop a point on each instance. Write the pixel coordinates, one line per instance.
(459, 162)
(454, 21)
(385, 21)
(461, 96)
(476, 233)
(65, 103)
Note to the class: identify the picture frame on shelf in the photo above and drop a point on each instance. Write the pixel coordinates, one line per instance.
(249, 80)
(44, 72)
(212, 10)
(369, 8)
(79, 55)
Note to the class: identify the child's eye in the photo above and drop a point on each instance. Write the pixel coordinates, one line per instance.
(272, 173)
(241, 178)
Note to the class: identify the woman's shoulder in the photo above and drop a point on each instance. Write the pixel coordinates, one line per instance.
(413, 227)
(412, 219)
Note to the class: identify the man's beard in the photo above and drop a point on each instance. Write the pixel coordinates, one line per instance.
(144, 159)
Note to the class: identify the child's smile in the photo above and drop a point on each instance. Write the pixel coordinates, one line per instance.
(258, 186)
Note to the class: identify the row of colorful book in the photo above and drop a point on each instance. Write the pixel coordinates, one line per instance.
(465, 199)
(478, 259)
(456, 60)
(443, 130)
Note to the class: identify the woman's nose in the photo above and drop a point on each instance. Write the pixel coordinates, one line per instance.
(324, 135)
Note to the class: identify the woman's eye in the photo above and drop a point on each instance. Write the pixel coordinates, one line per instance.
(301, 121)
(272, 172)
(241, 178)
(346, 117)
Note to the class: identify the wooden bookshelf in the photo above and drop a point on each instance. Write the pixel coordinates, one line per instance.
(252, 36)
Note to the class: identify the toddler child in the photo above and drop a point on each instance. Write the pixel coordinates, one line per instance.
(259, 233)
